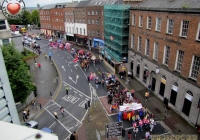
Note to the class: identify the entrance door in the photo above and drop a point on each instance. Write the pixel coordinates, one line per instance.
(153, 84)
(162, 89)
(186, 107)
(138, 70)
(173, 97)
(131, 66)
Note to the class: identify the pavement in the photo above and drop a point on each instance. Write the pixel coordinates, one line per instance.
(94, 124)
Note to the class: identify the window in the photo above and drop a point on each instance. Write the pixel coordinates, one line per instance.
(140, 21)
(139, 43)
(83, 31)
(88, 21)
(155, 53)
(97, 13)
(70, 29)
(179, 60)
(2, 25)
(97, 22)
(198, 32)
(80, 20)
(92, 21)
(132, 41)
(166, 56)
(92, 12)
(89, 32)
(83, 20)
(158, 24)
(102, 13)
(92, 33)
(170, 24)
(88, 13)
(97, 33)
(5, 41)
(80, 31)
(148, 22)
(83, 12)
(77, 30)
(184, 28)
(147, 47)
(133, 20)
(195, 67)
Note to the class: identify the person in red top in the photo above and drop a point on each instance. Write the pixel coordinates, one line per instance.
(140, 125)
(125, 115)
(134, 124)
(132, 113)
(39, 65)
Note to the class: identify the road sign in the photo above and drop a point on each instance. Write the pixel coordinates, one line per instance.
(114, 130)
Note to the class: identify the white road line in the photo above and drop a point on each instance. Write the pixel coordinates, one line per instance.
(49, 105)
(67, 112)
(62, 57)
(77, 90)
(57, 120)
(52, 125)
(68, 65)
(80, 95)
(103, 96)
(66, 61)
(58, 54)
(71, 70)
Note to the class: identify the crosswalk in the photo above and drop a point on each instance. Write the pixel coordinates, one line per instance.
(71, 99)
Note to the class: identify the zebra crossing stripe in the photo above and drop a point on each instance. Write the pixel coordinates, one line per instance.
(82, 104)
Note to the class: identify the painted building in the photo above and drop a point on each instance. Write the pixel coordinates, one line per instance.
(164, 40)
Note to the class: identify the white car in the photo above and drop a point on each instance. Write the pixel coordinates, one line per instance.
(26, 42)
(31, 124)
(37, 38)
(25, 37)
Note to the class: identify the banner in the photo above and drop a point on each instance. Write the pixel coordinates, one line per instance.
(131, 106)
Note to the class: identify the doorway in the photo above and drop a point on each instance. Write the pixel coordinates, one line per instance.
(162, 86)
(174, 91)
(138, 70)
(187, 103)
(153, 84)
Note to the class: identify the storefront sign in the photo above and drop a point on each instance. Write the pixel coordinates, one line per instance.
(159, 37)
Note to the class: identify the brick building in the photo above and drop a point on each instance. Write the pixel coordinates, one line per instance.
(164, 41)
(45, 19)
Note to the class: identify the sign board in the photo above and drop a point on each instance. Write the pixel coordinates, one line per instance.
(114, 130)
(131, 106)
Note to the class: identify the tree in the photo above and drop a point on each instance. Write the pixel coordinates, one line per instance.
(24, 20)
(17, 70)
(35, 17)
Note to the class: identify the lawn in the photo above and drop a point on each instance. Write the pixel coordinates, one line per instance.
(28, 55)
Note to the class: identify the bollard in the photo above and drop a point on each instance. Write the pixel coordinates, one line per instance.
(88, 103)
(86, 107)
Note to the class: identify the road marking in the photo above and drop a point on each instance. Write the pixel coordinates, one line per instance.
(82, 103)
(71, 70)
(71, 99)
(58, 54)
(76, 89)
(68, 65)
(62, 57)
(80, 95)
(49, 105)
(86, 99)
(52, 125)
(63, 68)
(57, 120)
(68, 113)
(66, 61)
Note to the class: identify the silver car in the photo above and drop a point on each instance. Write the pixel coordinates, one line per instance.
(31, 124)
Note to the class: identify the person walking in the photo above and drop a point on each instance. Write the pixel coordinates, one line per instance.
(62, 110)
(97, 83)
(129, 134)
(56, 115)
(88, 79)
(67, 90)
(75, 135)
(39, 65)
(135, 130)
(72, 137)
(146, 95)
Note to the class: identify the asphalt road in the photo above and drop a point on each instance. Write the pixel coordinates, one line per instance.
(80, 92)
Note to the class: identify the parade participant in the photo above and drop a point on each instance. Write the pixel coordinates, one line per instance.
(140, 125)
(146, 95)
(135, 130)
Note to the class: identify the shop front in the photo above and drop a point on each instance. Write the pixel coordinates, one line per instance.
(70, 37)
(49, 32)
(80, 39)
(44, 31)
(98, 42)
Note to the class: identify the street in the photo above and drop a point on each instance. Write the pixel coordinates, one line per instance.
(79, 93)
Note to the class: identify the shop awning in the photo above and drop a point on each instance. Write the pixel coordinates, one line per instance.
(99, 40)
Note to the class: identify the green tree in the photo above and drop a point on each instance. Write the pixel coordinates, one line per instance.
(35, 17)
(17, 70)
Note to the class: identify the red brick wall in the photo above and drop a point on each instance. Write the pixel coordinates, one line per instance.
(189, 45)
(56, 24)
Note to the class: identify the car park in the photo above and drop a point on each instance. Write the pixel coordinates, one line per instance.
(46, 129)
(31, 124)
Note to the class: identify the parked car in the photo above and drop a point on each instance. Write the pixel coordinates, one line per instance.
(37, 38)
(33, 40)
(25, 38)
(31, 124)
(46, 129)
(26, 42)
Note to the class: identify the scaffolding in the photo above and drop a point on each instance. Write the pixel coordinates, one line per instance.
(116, 31)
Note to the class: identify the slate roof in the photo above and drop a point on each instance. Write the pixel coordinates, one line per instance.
(83, 3)
(72, 4)
(172, 4)
(102, 2)
(50, 6)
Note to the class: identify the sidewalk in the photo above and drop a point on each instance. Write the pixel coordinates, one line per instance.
(171, 121)
(45, 80)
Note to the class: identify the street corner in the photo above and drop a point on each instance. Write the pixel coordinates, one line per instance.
(106, 106)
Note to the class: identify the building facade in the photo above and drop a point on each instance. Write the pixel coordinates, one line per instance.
(45, 19)
(164, 53)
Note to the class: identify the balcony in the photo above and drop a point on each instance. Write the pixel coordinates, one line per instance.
(5, 34)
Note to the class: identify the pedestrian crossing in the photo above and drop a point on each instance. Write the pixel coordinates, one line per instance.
(71, 99)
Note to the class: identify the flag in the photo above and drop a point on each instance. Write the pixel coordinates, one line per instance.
(75, 59)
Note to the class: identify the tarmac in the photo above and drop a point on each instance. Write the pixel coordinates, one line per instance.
(94, 123)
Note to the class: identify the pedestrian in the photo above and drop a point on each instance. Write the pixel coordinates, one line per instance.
(56, 115)
(102, 82)
(135, 130)
(24, 115)
(151, 124)
(39, 65)
(129, 134)
(146, 95)
(97, 83)
(32, 104)
(88, 79)
(75, 135)
(62, 110)
(72, 137)
(147, 136)
(140, 125)
(50, 95)
(67, 90)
